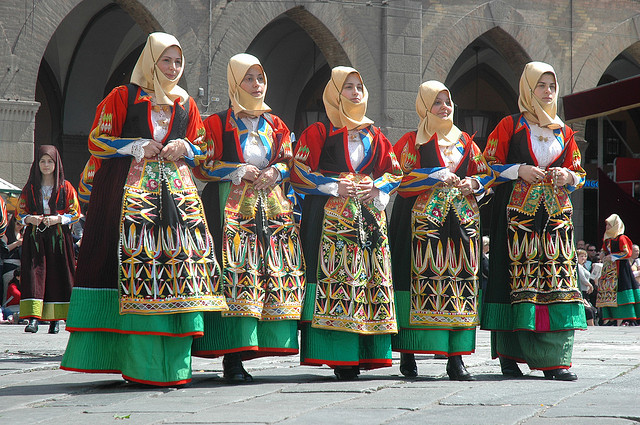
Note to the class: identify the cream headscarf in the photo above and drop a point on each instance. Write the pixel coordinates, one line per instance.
(147, 75)
(241, 100)
(341, 111)
(535, 111)
(448, 134)
(617, 226)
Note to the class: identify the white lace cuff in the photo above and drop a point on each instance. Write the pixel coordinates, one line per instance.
(236, 175)
(511, 173)
(329, 188)
(135, 149)
(381, 201)
(441, 174)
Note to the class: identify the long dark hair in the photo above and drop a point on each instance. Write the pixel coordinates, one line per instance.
(32, 190)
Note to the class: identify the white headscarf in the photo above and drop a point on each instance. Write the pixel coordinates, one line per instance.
(545, 115)
(448, 133)
(241, 101)
(341, 111)
(147, 75)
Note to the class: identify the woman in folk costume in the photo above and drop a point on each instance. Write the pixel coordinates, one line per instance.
(48, 205)
(435, 271)
(533, 302)
(618, 291)
(263, 267)
(147, 264)
(346, 169)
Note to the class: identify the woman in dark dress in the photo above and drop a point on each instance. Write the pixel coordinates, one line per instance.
(48, 205)
(533, 303)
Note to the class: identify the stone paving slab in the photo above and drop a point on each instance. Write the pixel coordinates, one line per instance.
(607, 360)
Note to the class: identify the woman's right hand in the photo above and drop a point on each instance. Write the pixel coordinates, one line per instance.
(251, 173)
(346, 188)
(531, 174)
(152, 148)
(34, 220)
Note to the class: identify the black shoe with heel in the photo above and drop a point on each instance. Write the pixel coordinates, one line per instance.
(457, 371)
(408, 366)
(32, 327)
(233, 370)
(346, 373)
(510, 368)
(54, 327)
(560, 375)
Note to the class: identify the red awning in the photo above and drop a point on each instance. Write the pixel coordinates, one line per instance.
(602, 100)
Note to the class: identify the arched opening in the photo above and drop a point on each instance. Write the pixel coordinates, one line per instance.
(93, 50)
(298, 64)
(484, 86)
(484, 82)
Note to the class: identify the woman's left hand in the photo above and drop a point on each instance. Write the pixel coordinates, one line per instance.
(266, 179)
(561, 175)
(367, 191)
(468, 186)
(174, 150)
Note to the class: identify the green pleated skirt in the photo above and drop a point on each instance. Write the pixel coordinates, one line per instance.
(628, 306)
(338, 348)
(154, 349)
(253, 337)
(429, 340)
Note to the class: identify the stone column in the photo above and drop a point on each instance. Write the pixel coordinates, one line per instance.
(17, 123)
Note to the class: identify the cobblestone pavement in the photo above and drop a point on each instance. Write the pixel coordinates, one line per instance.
(33, 390)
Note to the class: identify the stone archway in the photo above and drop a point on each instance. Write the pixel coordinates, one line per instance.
(92, 50)
(484, 82)
(325, 26)
(292, 50)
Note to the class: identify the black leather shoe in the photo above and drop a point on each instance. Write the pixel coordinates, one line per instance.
(346, 373)
(233, 371)
(408, 366)
(54, 327)
(457, 371)
(560, 375)
(32, 326)
(510, 368)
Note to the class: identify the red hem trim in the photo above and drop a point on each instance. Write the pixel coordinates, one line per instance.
(364, 363)
(158, 384)
(550, 368)
(128, 378)
(458, 353)
(120, 331)
(511, 358)
(73, 369)
(544, 332)
(254, 352)
(470, 328)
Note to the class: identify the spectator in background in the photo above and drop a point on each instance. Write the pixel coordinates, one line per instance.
(11, 255)
(581, 245)
(592, 256)
(484, 263)
(585, 286)
(11, 307)
(618, 292)
(634, 262)
(48, 205)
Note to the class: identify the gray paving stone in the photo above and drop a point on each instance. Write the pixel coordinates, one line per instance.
(607, 360)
